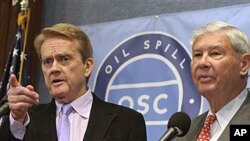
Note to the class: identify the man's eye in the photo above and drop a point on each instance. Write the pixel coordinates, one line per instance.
(65, 59)
(47, 61)
(197, 54)
(215, 53)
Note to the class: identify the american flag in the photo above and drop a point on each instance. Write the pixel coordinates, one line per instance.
(13, 63)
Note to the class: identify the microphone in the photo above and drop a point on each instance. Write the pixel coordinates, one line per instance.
(4, 106)
(178, 126)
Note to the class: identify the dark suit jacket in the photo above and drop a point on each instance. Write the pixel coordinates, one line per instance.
(108, 122)
(242, 116)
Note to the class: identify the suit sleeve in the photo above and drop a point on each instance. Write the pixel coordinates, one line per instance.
(5, 132)
(138, 131)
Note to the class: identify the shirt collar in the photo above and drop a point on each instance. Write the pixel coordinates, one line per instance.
(81, 105)
(225, 114)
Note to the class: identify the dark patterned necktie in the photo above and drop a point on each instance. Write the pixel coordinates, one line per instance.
(205, 131)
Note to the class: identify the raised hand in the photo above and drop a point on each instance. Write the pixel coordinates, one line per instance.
(20, 99)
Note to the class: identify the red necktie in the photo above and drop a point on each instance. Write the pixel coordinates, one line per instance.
(205, 131)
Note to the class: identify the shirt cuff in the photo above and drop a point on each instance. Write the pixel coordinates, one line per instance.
(18, 129)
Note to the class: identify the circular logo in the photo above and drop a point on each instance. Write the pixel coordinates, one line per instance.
(149, 72)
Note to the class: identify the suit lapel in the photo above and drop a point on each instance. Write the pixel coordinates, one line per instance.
(43, 125)
(51, 122)
(197, 126)
(241, 117)
(100, 120)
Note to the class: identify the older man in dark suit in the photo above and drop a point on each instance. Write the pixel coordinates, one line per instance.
(67, 62)
(219, 68)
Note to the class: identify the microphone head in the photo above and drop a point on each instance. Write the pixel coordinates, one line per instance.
(181, 121)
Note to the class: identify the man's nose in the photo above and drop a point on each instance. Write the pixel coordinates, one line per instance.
(55, 67)
(204, 62)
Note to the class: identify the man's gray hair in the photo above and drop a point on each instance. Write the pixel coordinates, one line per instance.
(238, 39)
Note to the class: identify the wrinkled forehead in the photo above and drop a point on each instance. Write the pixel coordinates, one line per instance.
(54, 46)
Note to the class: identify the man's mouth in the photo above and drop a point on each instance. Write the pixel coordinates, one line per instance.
(57, 82)
(205, 78)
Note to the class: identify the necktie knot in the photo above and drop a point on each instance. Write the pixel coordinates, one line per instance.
(67, 109)
(211, 119)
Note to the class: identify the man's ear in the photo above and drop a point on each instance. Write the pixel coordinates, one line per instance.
(89, 64)
(245, 64)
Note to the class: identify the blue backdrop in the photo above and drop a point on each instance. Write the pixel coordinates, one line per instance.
(143, 63)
